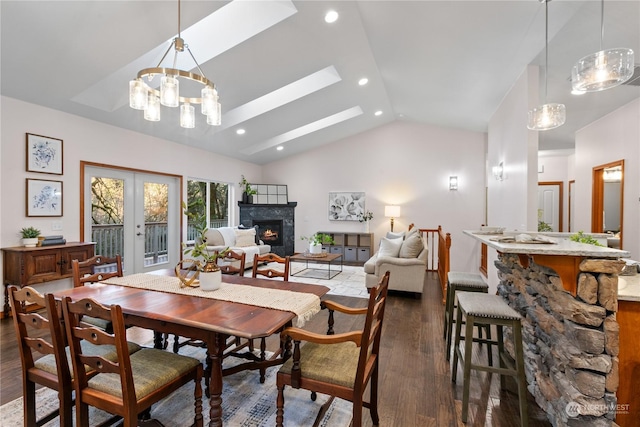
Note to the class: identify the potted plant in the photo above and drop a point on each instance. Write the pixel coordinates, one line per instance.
(316, 241)
(365, 217)
(208, 270)
(30, 236)
(247, 191)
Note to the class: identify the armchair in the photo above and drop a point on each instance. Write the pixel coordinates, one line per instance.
(407, 265)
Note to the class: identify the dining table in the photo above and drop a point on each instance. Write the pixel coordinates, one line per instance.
(207, 319)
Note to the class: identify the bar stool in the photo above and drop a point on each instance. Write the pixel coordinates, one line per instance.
(467, 282)
(484, 309)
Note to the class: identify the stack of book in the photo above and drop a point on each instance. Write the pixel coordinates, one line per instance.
(52, 240)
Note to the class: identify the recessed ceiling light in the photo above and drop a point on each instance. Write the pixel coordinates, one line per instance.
(331, 17)
(378, 113)
(240, 131)
(363, 81)
(280, 148)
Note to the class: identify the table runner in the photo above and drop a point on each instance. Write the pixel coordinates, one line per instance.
(304, 305)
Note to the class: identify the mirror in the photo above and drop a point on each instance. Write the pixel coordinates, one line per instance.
(607, 201)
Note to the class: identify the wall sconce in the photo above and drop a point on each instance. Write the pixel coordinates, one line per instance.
(392, 212)
(453, 182)
(498, 172)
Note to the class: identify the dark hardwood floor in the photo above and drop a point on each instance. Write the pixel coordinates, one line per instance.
(415, 379)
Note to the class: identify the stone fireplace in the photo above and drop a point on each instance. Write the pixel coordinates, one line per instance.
(276, 224)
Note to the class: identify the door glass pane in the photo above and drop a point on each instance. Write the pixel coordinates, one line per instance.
(107, 216)
(218, 205)
(156, 208)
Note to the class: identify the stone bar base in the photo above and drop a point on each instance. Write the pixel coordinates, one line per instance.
(571, 343)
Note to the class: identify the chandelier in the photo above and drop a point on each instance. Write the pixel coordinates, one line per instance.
(604, 69)
(144, 97)
(547, 116)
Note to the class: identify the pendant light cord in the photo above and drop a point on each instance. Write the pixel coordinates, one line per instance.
(546, 48)
(601, 22)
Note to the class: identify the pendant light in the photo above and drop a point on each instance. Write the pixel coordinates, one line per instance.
(547, 116)
(143, 97)
(604, 69)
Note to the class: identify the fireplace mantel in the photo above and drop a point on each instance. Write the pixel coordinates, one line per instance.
(250, 212)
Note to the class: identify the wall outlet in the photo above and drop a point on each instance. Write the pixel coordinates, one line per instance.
(56, 225)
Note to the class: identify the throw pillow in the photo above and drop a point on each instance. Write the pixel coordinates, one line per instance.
(255, 227)
(411, 246)
(245, 238)
(390, 247)
(398, 235)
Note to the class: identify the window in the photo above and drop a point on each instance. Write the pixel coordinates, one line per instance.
(210, 197)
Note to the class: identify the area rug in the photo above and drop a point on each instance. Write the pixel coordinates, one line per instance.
(245, 402)
(350, 282)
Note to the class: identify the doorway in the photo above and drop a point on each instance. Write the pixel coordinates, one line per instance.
(550, 201)
(572, 204)
(132, 213)
(607, 201)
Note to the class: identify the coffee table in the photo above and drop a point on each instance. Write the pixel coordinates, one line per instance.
(318, 273)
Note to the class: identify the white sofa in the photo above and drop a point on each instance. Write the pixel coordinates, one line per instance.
(407, 266)
(238, 240)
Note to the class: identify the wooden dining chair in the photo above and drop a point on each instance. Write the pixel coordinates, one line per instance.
(40, 335)
(232, 263)
(140, 379)
(261, 260)
(89, 271)
(53, 368)
(340, 365)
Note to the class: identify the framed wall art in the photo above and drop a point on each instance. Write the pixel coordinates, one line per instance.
(44, 197)
(346, 206)
(44, 154)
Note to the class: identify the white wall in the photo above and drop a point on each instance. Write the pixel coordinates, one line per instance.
(613, 137)
(95, 142)
(400, 163)
(512, 203)
(556, 169)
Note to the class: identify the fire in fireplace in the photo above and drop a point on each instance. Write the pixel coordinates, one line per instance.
(270, 231)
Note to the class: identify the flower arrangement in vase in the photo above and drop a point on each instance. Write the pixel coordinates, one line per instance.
(365, 217)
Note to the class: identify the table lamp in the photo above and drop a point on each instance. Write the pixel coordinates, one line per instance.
(392, 212)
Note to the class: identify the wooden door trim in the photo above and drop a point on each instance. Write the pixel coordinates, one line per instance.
(597, 197)
(84, 164)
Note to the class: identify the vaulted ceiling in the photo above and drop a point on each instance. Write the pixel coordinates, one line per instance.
(288, 78)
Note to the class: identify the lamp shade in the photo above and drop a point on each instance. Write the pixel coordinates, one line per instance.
(392, 211)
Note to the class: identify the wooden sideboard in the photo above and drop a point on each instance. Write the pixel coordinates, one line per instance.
(24, 266)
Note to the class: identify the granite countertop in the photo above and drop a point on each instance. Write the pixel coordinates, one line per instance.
(629, 288)
(561, 247)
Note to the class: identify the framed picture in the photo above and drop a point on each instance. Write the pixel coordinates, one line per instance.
(44, 154)
(44, 197)
(346, 206)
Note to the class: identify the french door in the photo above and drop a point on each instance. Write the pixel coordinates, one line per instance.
(134, 214)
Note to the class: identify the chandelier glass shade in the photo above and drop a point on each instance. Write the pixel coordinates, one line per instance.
(144, 97)
(604, 69)
(546, 116)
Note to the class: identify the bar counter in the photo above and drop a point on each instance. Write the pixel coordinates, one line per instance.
(581, 334)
